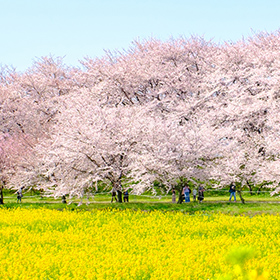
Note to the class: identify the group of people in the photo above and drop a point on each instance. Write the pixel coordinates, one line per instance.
(114, 195)
(186, 192)
(199, 195)
(19, 195)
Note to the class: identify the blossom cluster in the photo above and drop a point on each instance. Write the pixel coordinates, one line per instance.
(113, 244)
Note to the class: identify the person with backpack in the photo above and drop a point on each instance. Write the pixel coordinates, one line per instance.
(125, 196)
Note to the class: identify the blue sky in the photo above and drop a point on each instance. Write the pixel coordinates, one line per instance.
(78, 28)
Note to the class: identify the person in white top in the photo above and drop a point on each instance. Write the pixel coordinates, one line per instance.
(194, 194)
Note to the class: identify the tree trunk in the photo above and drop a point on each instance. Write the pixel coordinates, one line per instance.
(41, 193)
(180, 197)
(118, 186)
(250, 188)
(240, 195)
(119, 196)
(1, 195)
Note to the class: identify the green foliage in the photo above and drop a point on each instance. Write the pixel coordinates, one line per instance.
(240, 255)
(238, 258)
(159, 188)
(101, 186)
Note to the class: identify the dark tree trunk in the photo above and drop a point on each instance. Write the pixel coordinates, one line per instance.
(240, 195)
(41, 193)
(118, 187)
(64, 199)
(180, 197)
(1, 195)
(119, 196)
(250, 187)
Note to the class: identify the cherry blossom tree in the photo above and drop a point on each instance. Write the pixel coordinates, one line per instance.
(225, 89)
(13, 149)
(150, 70)
(164, 110)
(28, 104)
(91, 143)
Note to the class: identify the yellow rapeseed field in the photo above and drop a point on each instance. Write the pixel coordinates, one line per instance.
(113, 244)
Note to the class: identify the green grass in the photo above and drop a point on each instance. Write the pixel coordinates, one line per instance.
(215, 201)
(210, 196)
(250, 209)
(192, 207)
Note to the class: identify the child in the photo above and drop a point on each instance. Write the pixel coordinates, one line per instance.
(19, 196)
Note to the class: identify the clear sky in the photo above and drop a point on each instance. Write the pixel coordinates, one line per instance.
(78, 28)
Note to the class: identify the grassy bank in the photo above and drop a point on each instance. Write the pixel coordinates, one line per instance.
(215, 202)
(250, 209)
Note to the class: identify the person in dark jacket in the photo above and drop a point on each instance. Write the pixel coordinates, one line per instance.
(18, 197)
(232, 191)
(125, 196)
(200, 193)
(114, 194)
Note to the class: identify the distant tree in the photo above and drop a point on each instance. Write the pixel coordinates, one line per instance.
(13, 149)
(29, 103)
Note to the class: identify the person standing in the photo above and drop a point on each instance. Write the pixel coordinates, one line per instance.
(19, 194)
(114, 194)
(187, 193)
(173, 196)
(125, 196)
(232, 191)
(194, 194)
(200, 193)
(18, 197)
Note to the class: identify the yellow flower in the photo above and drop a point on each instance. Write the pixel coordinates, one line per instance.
(113, 244)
